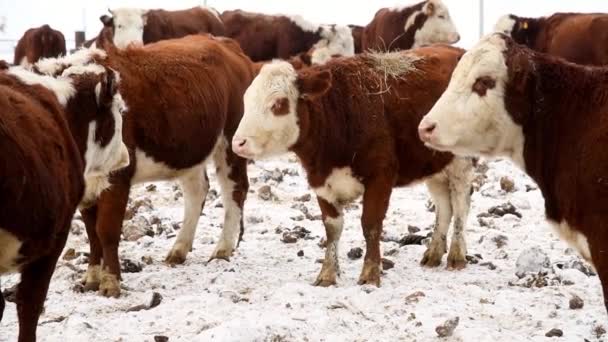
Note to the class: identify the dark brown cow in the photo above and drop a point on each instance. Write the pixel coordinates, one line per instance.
(402, 28)
(357, 32)
(266, 37)
(142, 26)
(37, 43)
(59, 138)
(550, 117)
(353, 125)
(578, 37)
(185, 100)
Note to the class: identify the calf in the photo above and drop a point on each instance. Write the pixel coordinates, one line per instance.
(141, 26)
(578, 37)
(266, 37)
(60, 138)
(185, 100)
(550, 117)
(40, 42)
(352, 123)
(402, 28)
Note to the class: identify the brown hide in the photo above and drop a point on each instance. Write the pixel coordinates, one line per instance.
(266, 37)
(578, 37)
(386, 31)
(563, 110)
(40, 42)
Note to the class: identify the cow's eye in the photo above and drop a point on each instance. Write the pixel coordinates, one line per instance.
(482, 84)
(441, 16)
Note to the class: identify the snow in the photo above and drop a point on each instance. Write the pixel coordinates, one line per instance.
(264, 292)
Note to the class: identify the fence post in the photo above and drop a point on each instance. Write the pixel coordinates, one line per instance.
(79, 36)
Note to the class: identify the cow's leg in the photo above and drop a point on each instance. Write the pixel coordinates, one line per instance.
(232, 176)
(111, 207)
(375, 204)
(439, 189)
(32, 290)
(195, 185)
(333, 222)
(92, 277)
(459, 175)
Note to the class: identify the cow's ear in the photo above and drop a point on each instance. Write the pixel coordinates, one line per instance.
(314, 84)
(106, 20)
(429, 9)
(107, 90)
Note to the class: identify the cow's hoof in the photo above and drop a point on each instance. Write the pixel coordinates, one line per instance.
(370, 275)
(176, 257)
(109, 286)
(456, 263)
(90, 286)
(431, 258)
(222, 254)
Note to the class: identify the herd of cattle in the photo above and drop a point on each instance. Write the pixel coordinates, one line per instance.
(158, 95)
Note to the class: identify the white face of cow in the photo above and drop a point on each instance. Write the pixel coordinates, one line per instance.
(270, 123)
(470, 118)
(102, 158)
(128, 24)
(505, 25)
(337, 40)
(438, 27)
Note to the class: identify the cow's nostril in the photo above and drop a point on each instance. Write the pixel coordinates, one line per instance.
(430, 128)
(242, 142)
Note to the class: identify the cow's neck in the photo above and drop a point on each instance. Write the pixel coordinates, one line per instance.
(565, 97)
(325, 140)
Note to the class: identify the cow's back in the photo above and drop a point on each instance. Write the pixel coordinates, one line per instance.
(577, 37)
(42, 169)
(188, 90)
(37, 43)
(162, 24)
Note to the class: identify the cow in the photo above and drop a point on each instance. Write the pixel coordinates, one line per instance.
(353, 122)
(578, 37)
(549, 117)
(185, 100)
(402, 28)
(37, 43)
(143, 26)
(60, 138)
(266, 37)
(357, 32)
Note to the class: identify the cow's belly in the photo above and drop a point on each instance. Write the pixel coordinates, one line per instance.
(340, 187)
(9, 252)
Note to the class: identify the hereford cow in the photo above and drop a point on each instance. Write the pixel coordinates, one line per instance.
(142, 26)
(185, 100)
(37, 43)
(60, 139)
(357, 32)
(402, 28)
(550, 117)
(266, 37)
(578, 37)
(364, 143)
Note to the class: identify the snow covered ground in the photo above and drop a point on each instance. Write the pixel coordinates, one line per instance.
(264, 293)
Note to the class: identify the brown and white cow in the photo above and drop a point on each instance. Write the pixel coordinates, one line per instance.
(60, 138)
(578, 37)
(547, 115)
(185, 100)
(402, 28)
(362, 144)
(266, 37)
(37, 43)
(143, 26)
